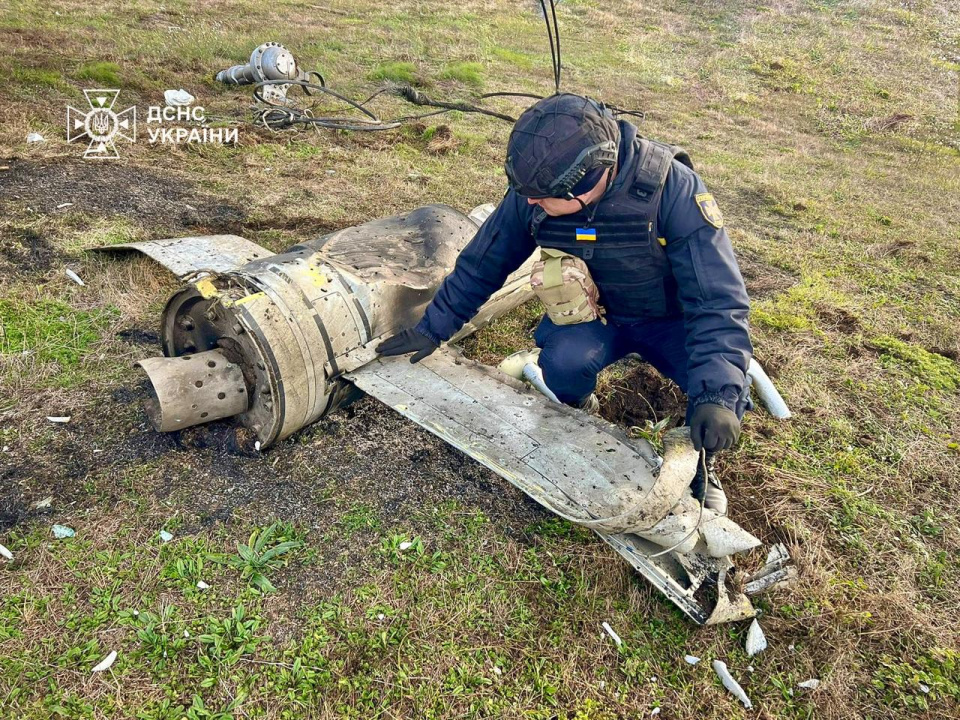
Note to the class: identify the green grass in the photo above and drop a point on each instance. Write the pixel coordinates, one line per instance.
(404, 72)
(843, 220)
(105, 73)
(50, 330)
(469, 73)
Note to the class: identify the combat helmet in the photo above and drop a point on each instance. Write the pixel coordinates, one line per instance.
(560, 146)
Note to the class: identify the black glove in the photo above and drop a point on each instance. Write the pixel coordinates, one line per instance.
(408, 341)
(714, 427)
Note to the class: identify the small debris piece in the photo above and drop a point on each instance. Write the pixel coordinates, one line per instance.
(497, 670)
(201, 585)
(256, 446)
(106, 662)
(61, 206)
(405, 545)
(35, 138)
(6, 553)
(791, 647)
(59, 418)
(720, 668)
(135, 613)
(61, 532)
(45, 503)
(186, 633)
(756, 640)
(177, 97)
(691, 659)
(73, 276)
(655, 711)
(785, 577)
(381, 616)
(812, 684)
(925, 689)
(166, 536)
(612, 634)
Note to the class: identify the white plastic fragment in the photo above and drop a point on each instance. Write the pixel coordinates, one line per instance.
(6, 553)
(186, 633)
(756, 640)
(381, 616)
(201, 585)
(925, 689)
(720, 668)
(256, 446)
(35, 138)
(177, 97)
(811, 684)
(166, 536)
(59, 418)
(106, 662)
(405, 545)
(73, 276)
(61, 532)
(61, 206)
(497, 670)
(45, 503)
(767, 392)
(655, 711)
(612, 634)
(135, 612)
(691, 659)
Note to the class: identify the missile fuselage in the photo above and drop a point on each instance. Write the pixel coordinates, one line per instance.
(266, 343)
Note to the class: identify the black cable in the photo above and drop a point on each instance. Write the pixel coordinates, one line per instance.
(411, 95)
(556, 32)
(553, 52)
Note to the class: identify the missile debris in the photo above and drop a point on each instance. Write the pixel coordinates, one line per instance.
(812, 684)
(691, 659)
(756, 640)
(720, 668)
(5, 553)
(609, 630)
(274, 342)
(73, 276)
(106, 663)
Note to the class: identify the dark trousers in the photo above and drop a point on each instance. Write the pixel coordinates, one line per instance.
(571, 356)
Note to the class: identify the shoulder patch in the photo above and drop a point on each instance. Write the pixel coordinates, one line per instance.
(709, 209)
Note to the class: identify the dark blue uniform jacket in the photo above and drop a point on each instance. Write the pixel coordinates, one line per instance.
(711, 290)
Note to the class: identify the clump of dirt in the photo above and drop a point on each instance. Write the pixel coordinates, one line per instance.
(152, 199)
(761, 278)
(26, 249)
(837, 318)
(640, 394)
(139, 336)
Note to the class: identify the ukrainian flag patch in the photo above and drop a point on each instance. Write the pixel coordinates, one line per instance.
(586, 235)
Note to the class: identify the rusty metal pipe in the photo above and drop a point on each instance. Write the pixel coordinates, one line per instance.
(193, 389)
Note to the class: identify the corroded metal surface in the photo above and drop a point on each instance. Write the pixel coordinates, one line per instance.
(577, 465)
(186, 255)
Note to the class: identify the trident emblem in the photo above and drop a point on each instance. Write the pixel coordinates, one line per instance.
(101, 124)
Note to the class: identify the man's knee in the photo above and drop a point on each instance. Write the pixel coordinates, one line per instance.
(570, 370)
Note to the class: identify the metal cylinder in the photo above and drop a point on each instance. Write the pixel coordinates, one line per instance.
(193, 389)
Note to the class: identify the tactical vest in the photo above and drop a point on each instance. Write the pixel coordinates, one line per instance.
(626, 260)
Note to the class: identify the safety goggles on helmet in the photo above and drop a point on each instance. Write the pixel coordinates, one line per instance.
(600, 156)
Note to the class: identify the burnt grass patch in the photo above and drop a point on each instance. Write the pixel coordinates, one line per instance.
(154, 200)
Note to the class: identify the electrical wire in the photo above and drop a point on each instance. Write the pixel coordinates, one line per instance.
(284, 117)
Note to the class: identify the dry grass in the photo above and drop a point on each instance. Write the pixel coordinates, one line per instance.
(828, 132)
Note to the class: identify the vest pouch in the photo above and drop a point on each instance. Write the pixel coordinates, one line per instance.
(565, 287)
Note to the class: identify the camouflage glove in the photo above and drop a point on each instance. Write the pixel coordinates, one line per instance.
(714, 427)
(408, 341)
